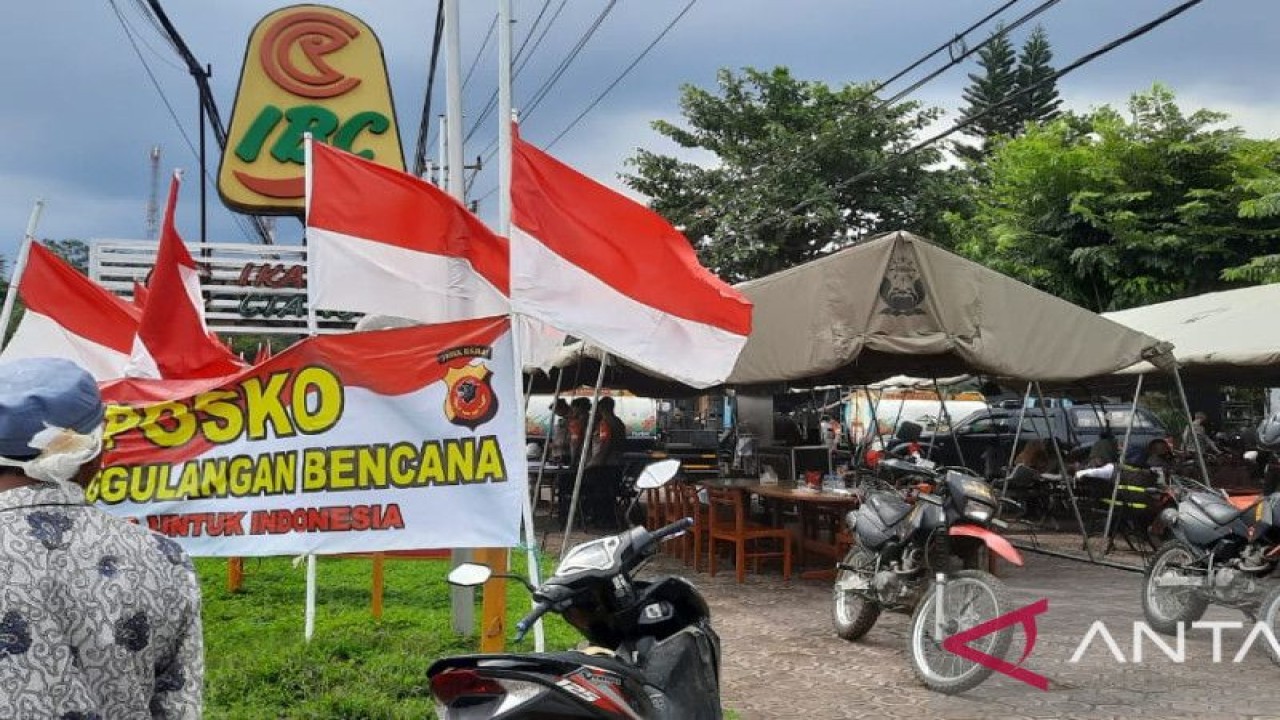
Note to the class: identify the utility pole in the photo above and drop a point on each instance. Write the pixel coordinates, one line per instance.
(153, 205)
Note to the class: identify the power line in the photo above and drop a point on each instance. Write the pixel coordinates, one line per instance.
(532, 29)
(966, 122)
(139, 38)
(492, 103)
(484, 44)
(424, 125)
(591, 106)
(572, 55)
(128, 32)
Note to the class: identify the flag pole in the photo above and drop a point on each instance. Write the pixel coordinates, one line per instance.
(504, 229)
(19, 266)
(587, 434)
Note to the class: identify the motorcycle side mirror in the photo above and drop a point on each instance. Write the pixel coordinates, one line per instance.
(470, 575)
(657, 474)
(930, 498)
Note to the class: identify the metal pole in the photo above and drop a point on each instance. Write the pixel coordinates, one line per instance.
(19, 266)
(309, 614)
(504, 118)
(1062, 469)
(551, 429)
(204, 214)
(1195, 437)
(946, 414)
(1017, 434)
(1119, 469)
(442, 172)
(587, 435)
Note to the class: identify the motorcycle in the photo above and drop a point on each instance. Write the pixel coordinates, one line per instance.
(924, 558)
(1217, 554)
(653, 651)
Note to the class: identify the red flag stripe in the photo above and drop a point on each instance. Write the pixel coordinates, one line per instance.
(625, 244)
(56, 290)
(398, 209)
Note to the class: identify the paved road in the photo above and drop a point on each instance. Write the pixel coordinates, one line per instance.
(782, 659)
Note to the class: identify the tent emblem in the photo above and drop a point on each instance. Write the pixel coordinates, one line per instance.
(901, 288)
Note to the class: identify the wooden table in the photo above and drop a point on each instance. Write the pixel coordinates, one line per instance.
(810, 505)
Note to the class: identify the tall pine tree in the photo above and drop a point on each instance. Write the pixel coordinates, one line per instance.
(997, 81)
(1041, 104)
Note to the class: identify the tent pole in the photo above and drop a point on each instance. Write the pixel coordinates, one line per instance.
(587, 435)
(551, 430)
(1017, 435)
(873, 405)
(1062, 468)
(1195, 437)
(1118, 473)
(937, 389)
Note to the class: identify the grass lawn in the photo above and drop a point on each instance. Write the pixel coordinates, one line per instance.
(257, 665)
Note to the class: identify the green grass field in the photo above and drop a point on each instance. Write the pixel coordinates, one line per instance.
(258, 666)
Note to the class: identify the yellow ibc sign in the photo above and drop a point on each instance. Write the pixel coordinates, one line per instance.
(307, 68)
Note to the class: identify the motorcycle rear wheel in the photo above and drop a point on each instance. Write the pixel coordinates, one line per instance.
(1167, 607)
(1269, 613)
(973, 597)
(852, 612)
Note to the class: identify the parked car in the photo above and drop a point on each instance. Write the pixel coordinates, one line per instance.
(983, 441)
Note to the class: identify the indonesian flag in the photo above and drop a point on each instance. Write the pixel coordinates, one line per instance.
(69, 316)
(173, 340)
(139, 295)
(601, 267)
(385, 242)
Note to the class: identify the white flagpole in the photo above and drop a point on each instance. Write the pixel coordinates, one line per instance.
(504, 229)
(309, 627)
(312, 324)
(19, 266)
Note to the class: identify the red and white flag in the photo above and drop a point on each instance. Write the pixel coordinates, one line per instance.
(606, 269)
(139, 295)
(385, 242)
(69, 316)
(173, 340)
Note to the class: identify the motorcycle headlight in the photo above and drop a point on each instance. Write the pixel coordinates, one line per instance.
(977, 512)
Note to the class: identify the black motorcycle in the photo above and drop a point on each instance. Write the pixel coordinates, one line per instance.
(653, 655)
(1218, 553)
(925, 558)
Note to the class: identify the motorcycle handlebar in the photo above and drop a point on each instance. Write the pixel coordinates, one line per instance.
(526, 622)
(674, 528)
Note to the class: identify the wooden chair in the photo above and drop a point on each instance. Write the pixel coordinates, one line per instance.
(728, 522)
(686, 505)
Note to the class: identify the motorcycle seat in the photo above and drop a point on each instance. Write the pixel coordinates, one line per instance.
(1219, 509)
(889, 507)
(557, 662)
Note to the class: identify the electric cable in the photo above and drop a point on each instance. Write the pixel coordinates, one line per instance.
(424, 123)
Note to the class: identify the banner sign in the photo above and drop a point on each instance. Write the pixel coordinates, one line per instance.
(307, 69)
(402, 439)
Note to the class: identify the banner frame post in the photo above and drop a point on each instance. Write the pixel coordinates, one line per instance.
(309, 624)
(19, 267)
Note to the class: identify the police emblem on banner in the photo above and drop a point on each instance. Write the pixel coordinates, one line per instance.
(902, 289)
(470, 400)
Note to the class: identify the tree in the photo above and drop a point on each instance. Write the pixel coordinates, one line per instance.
(1012, 90)
(799, 170)
(1034, 67)
(75, 252)
(1111, 212)
(997, 82)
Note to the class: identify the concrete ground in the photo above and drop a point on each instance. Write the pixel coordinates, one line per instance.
(783, 660)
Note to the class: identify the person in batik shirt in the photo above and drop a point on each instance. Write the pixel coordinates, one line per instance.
(99, 617)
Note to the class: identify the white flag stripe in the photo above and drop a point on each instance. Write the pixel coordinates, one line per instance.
(356, 274)
(41, 336)
(626, 327)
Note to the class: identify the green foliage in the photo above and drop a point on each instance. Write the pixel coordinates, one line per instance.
(1003, 77)
(257, 665)
(75, 252)
(1111, 212)
(777, 193)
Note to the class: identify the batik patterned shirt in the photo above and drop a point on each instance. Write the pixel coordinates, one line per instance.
(99, 618)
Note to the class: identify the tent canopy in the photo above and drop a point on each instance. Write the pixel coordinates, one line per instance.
(1230, 336)
(897, 304)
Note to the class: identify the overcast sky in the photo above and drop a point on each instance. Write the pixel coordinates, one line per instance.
(80, 113)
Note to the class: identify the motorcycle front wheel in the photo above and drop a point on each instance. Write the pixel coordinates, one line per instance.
(852, 611)
(1269, 613)
(972, 597)
(1170, 595)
